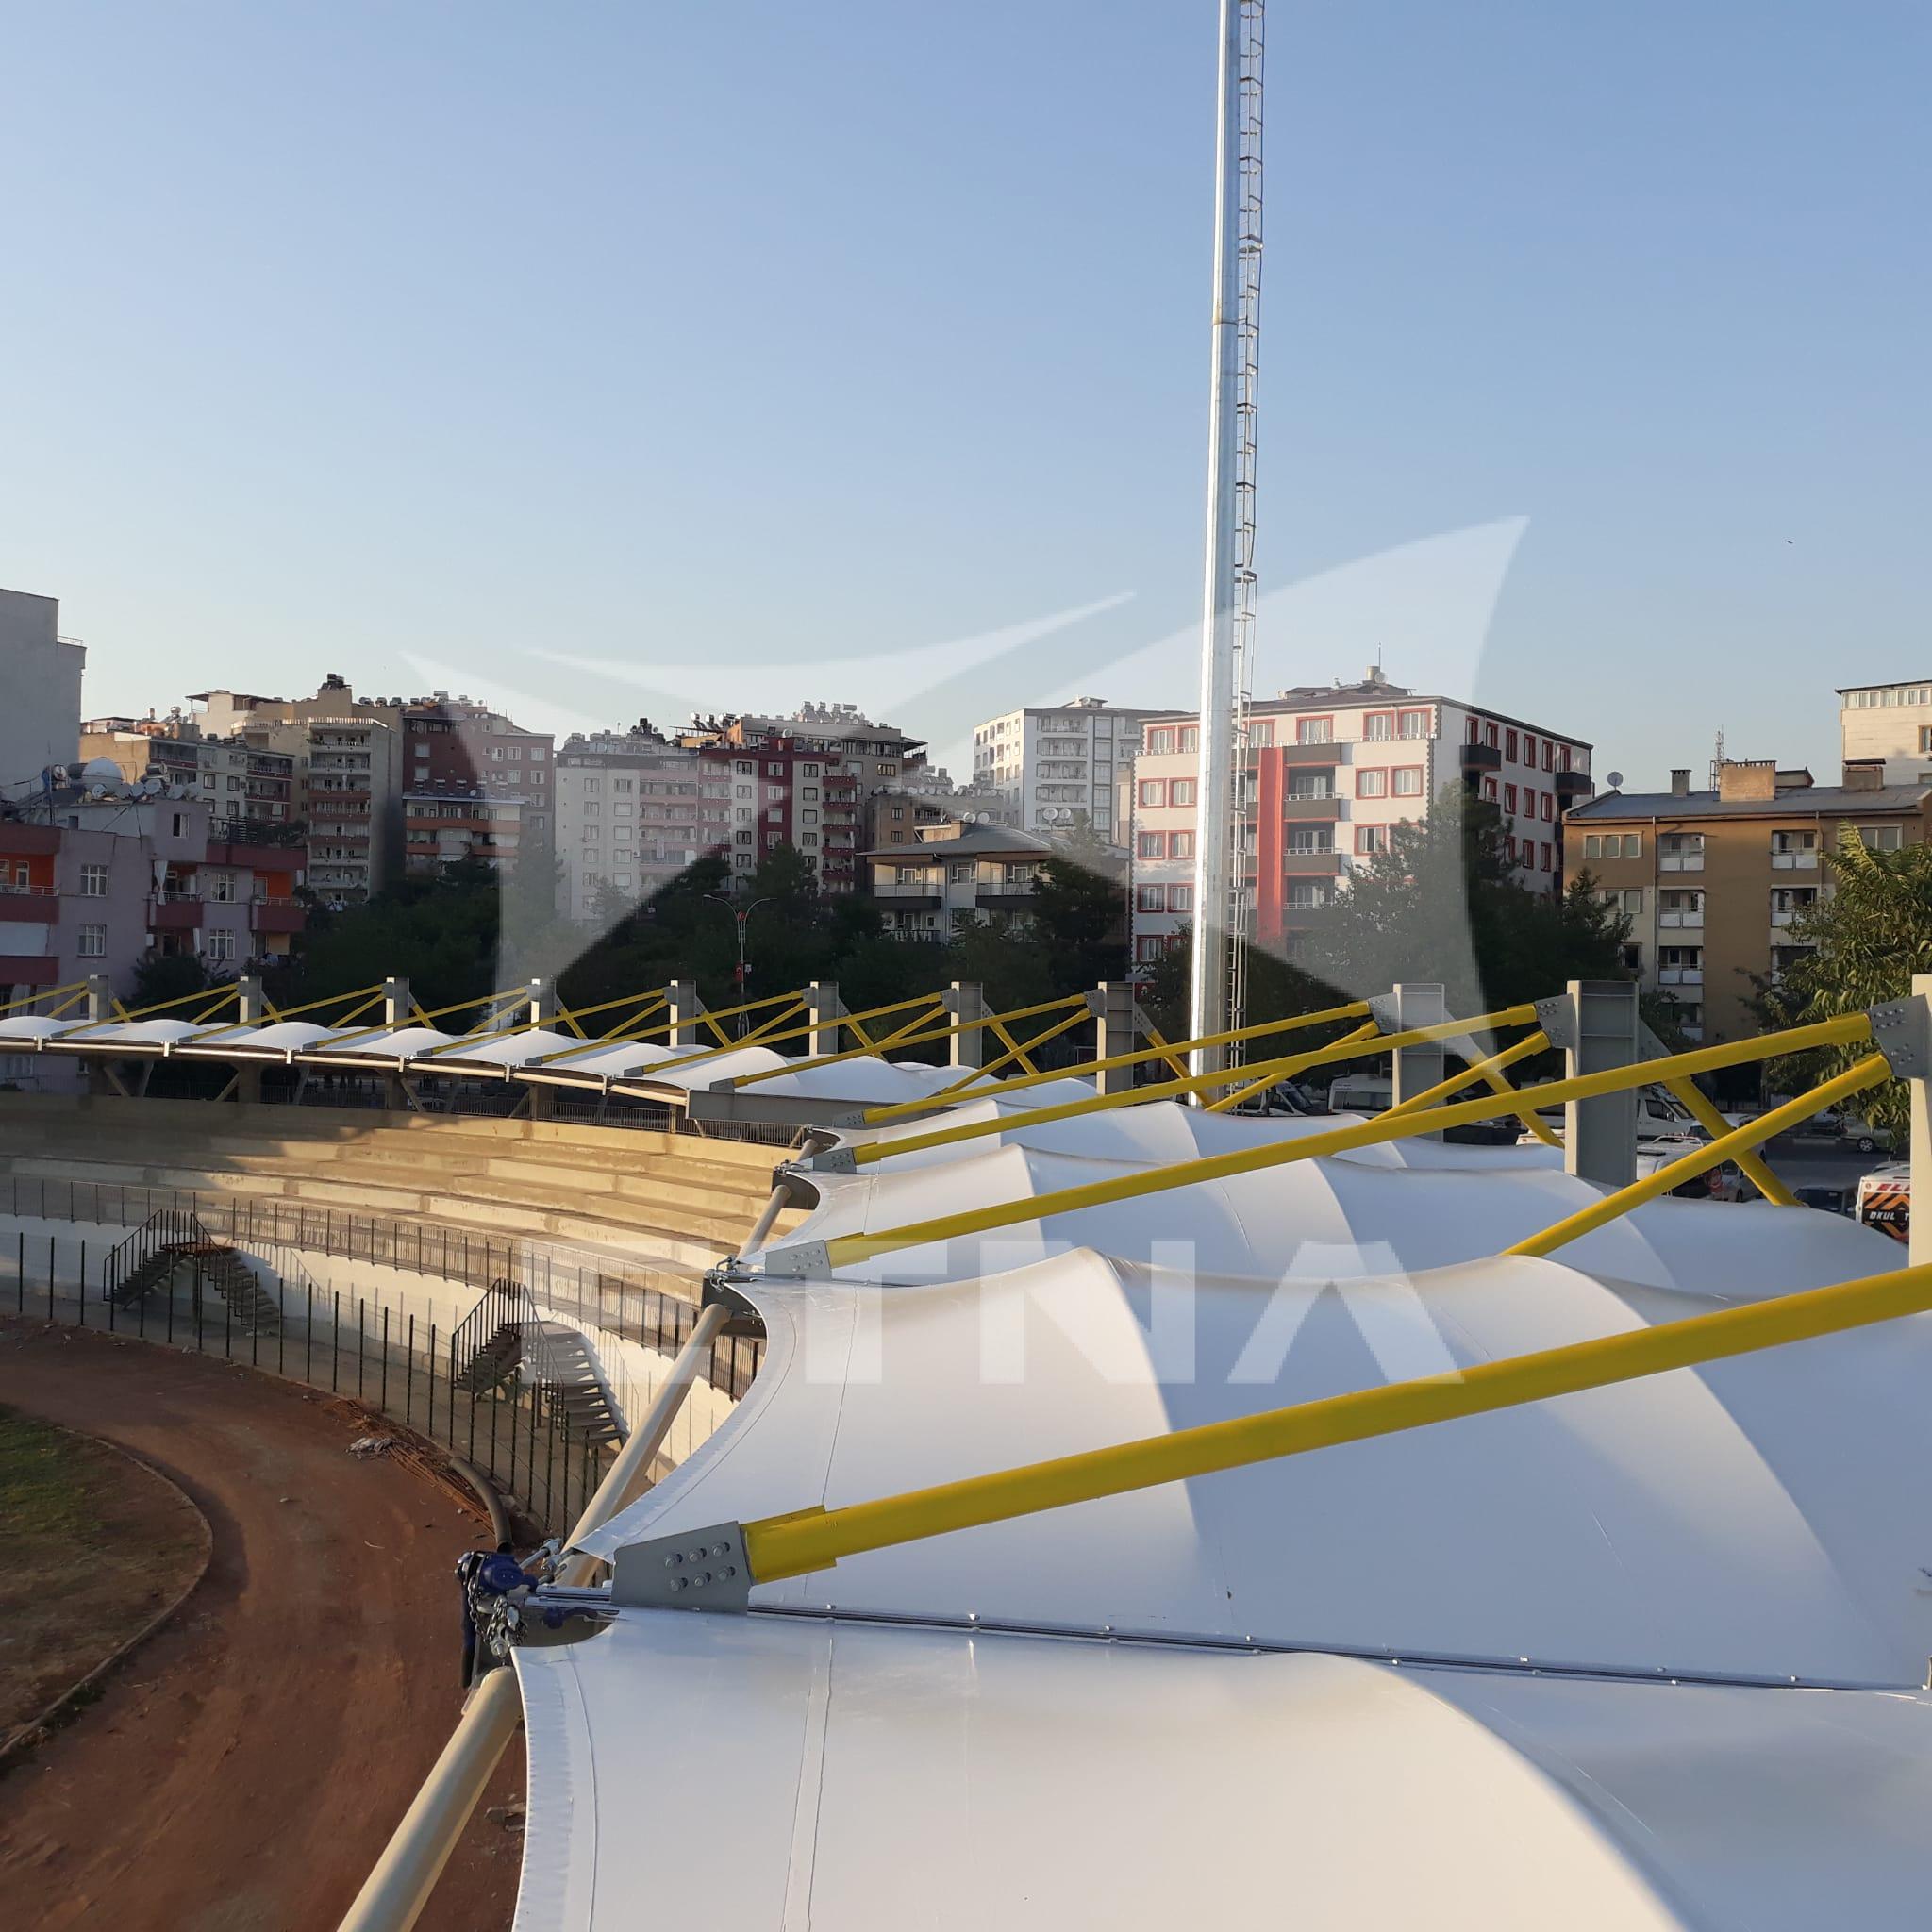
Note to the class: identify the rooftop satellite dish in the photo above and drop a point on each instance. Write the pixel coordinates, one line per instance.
(1616, 781)
(97, 791)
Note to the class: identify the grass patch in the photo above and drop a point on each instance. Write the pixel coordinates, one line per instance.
(43, 1493)
(96, 1544)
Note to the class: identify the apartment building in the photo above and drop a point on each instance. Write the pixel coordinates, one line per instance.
(250, 789)
(793, 792)
(40, 672)
(458, 741)
(953, 873)
(1330, 770)
(632, 810)
(1051, 763)
(1712, 881)
(1889, 726)
(347, 765)
(93, 886)
(452, 822)
(928, 798)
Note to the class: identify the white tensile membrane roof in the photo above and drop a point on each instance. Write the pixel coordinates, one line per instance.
(645, 1068)
(1644, 1656)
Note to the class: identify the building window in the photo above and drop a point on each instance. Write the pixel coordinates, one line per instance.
(1548, 863)
(1881, 837)
(1510, 747)
(1489, 736)
(1316, 783)
(223, 889)
(1150, 898)
(221, 943)
(1306, 895)
(1153, 791)
(1181, 791)
(1371, 839)
(1314, 730)
(1490, 790)
(1180, 898)
(94, 942)
(1190, 738)
(1306, 839)
(1151, 845)
(1413, 724)
(1409, 781)
(1372, 784)
(1180, 844)
(1378, 725)
(93, 881)
(1676, 850)
(1261, 734)
(1529, 749)
(1161, 738)
(1549, 807)
(1509, 800)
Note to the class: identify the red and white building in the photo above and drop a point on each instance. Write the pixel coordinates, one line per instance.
(1330, 770)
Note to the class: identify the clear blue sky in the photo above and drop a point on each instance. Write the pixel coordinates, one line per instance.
(365, 337)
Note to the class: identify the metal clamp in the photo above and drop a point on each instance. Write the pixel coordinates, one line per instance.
(801, 1258)
(1902, 1032)
(1385, 1009)
(1556, 1017)
(833, 1160)
(695, 1570)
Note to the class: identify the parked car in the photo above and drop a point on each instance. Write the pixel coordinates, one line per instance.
(1830, 1200)
(1865, 1137)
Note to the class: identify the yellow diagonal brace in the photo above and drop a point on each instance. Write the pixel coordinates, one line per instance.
(1012, 1047)
(924, 1000)
(361, 993)
(1263, 1072)
(842, 1250)
(1490, 1071)
(815, 1538)
(900, 1109)
(1172, 1051)
(1282, 1071)
(222, 995)
(933, 1020)
(1732, 1142)
(1714, 1123)
(956, 1089)
(74, 986)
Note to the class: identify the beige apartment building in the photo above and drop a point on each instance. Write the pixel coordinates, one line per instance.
(1712, 882)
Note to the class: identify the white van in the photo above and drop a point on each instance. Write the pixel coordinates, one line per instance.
(1659, 1117)
(1361, 1093)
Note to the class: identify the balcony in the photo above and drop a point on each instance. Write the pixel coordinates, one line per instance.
(1573, 785)
(1795, 861)
(1691, 921)
(277, 915)
(1311, 754)
(1002, 899)
(27, 968)
(170, 914)
(1481, 758)
(1680, 861)
(27, 904)
(1680, 976)
(1311, 864)
(29, 842)
(1319, 809)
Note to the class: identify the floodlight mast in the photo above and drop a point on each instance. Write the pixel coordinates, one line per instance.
(1221, 899)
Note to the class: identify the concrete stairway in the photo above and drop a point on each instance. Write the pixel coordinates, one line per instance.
(679, 1198)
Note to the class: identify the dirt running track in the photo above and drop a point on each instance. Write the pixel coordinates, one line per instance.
(246, 1766)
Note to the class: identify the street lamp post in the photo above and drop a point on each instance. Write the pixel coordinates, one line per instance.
(743, 915)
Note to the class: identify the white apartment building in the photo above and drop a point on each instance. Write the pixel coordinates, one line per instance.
(1052, 762)
(1330, 770)
(1887, 725)
(40, 672)
(632, 811)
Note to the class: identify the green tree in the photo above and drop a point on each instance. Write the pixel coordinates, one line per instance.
(1868, 934)
(1078, 911)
